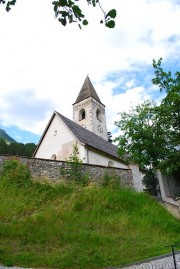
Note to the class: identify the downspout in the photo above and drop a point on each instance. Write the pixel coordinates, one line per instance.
(87, 156)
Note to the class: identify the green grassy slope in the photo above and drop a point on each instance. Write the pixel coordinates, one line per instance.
(70, 226)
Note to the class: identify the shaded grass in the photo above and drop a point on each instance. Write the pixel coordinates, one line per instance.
(71, 226)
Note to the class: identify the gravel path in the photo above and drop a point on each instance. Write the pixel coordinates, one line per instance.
(159, 263)
(163, 262)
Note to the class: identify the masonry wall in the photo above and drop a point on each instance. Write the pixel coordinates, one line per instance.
(51, 169)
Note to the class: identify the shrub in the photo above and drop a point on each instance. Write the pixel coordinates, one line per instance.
(74, 169)
(111, 181)
(16, 172)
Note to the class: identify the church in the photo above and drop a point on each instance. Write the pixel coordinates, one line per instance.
(88, 130)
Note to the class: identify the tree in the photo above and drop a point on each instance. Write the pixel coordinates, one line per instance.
(142, 135)
(150, 132)
(3, 146)
(15, 148)
(67, 11)
(170, 114)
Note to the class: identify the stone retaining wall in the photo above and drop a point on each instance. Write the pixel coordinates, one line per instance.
(172, 205)
(50, 169)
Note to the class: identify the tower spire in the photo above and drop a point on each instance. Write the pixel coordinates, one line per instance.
(89, 112)
(86, 91)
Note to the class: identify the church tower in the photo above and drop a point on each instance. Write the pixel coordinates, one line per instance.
(89, 112)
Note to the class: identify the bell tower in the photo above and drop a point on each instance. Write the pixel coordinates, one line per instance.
(89, 112)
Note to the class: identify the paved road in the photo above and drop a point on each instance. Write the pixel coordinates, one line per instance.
(162, 263)
(165, 262)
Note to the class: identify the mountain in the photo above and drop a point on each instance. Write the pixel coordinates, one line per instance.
(6, 137)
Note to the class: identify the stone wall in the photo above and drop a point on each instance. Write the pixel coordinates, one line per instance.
(173, 208)
(50, 169)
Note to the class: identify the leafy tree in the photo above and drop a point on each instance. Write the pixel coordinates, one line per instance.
(150, 132)
(170, 114)
(17, 148)
(150, 180)
(142, 135)
(3, 146)
(67, 11)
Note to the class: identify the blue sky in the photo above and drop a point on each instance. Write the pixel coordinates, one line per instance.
(43, 65)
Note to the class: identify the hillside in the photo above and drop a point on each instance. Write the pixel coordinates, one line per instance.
(6, 137)
(9, 146)
(71, 226)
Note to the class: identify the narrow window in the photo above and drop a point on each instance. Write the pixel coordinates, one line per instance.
(82, 114)
(98, 115)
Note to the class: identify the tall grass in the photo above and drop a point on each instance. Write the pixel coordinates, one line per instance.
(71, 226)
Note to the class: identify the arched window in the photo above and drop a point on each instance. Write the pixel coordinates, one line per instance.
(82, 114)
(98, 115)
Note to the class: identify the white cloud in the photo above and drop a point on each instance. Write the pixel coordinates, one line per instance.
(37, 53)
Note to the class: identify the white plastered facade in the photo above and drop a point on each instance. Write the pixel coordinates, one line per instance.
(58, 141)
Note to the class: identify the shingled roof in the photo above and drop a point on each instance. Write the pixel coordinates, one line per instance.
(86, 91)
(90, 139)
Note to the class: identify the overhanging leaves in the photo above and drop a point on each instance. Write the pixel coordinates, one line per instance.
(67, 11)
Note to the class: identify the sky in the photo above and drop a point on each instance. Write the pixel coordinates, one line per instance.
(43, 64)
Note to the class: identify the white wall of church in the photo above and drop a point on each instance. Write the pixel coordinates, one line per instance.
(93, 157)
(57, 142)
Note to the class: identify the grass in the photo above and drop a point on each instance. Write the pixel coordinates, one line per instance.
(72, 226)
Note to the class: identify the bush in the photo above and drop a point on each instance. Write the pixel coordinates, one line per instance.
(16, 172)
(74, 169)
(112, 181)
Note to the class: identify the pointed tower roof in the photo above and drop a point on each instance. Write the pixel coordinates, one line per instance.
(86, 91)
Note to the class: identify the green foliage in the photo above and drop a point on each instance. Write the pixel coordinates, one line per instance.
(170, 114)
(8, 4)
(150, 131)
(15, 172)
(15, 148)
(110, 180)
(150, 181)
(3, 147)
(74, 169)
(75, 226)
(142, 135)
(67, 11)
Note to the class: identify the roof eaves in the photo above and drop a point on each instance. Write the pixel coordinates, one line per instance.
(87, 98)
